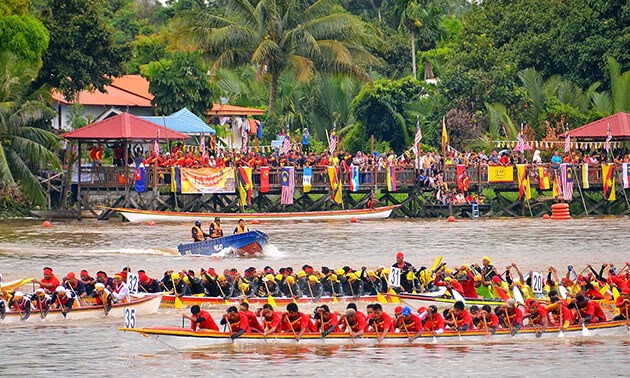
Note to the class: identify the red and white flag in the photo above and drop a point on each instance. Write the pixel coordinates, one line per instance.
(418, 137)
(608, 139)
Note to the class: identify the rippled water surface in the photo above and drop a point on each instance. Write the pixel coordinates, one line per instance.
(98, 349)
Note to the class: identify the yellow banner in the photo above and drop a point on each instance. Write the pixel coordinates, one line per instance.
(499, 173)
(332, 177)
(608, 181)
(524, 188)
(207, 180)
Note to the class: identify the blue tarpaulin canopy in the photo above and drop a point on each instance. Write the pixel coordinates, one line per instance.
(183, 121)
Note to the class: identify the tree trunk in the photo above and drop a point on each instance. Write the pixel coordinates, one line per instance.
(428, 70)
(413, 55)
(272, 93)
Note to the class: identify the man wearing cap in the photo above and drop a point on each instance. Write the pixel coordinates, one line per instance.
(226, 289)
(196, 232)
(201, 319)
(272, 320)
(588, 311)
(352, 286)
(408, 323)
(381, 322)
(21, 304)
(237, 322)
(40, 301)
(401, 264)
(62, 299)
(561, 316)
(49, 283)
(75, 286)
(295, 321)
(215, 230)
(511, 316)
(148, 284)
(488, 319)
(180, 287)
(120, 294)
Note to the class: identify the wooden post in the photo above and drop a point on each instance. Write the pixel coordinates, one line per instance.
(79, 199)
(372, 144)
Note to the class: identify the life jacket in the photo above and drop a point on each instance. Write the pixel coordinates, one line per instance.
(199, 233)
(240, 230)
(216, 230)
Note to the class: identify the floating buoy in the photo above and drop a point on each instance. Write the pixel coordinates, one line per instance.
(560, 211)
(546, 216)
(353, 219)
(255, 221)
(151, 223)
(451, 219)
(46, 224)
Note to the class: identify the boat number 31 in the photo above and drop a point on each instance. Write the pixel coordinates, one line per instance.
(130, 318)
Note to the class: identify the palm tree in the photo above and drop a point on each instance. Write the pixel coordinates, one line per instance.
(24, 148)
(277, 35)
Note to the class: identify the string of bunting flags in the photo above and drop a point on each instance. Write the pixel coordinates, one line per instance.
(553, 144)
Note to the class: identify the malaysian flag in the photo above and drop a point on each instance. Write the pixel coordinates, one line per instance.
(567, 141)
(156, 144)
(332, 142)
(418, 138)
(608, 139)
(245, 136)
(521, 146)
(566, 181)
(286, 145)
(288, 185)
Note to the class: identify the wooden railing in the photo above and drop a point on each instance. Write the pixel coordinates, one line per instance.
(114, 178)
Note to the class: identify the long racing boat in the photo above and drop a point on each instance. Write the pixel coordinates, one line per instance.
(135, 215)
(144, 305)
(182, 338)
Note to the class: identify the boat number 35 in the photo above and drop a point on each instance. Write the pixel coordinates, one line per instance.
(218, 247)
(130, 318)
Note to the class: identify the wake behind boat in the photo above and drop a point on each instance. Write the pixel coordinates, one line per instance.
(135, 215)
(182, 338)
(246, 243)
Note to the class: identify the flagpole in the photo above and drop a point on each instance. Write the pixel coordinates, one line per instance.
(577, 179)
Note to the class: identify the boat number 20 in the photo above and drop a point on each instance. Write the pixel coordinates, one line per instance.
(537, 282)
(130, 318)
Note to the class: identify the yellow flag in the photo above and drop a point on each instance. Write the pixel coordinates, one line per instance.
(332, 177)
(338, 194)
(608, 178)
(523, 182)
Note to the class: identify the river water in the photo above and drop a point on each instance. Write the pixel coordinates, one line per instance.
(92, 348)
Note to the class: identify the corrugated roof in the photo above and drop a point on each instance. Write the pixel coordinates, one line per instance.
(124, 126)
(127, 90)
(619, 128)
(183, 121)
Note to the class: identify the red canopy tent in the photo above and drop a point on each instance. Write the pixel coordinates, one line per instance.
(126, 128)
(619, 128)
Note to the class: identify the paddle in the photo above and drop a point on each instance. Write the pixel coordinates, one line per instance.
(561, 325)
(627, 319)
(63, 312)
(458, 296)
(244, 296)
(270, 299)
(223, 294)
(291, 326)
(347, 327)
(509, 323)
(518, 295)
(432, 326)
(379, 296)
(178, 302)
(456, 326)
(485, 326)
(352, 290)
(436, 263)
(585, 331)
(293, 295)
(406, 329)
(394, 295)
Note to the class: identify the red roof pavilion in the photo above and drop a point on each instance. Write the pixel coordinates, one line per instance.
(619, 128)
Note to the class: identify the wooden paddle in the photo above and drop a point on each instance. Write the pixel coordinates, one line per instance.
(507, 320)
(432, 326)
(270, 299)
(485, 326)
(178, 302)
(561, 325)
(244, 296)
(585, 331)
(348, 327)
(225, 300)
(402, 319)
(456, 326)
(292, 295)
(291, 326)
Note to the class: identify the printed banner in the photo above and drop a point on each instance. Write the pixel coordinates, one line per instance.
(543, 178)
(626, 175)
(206, 180)
(354, 178)
(499, 173)
(307, 179)
(264, 179)
(245, 185)
(524, 188)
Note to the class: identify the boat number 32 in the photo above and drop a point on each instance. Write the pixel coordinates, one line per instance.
(132, 282)
(130, 318)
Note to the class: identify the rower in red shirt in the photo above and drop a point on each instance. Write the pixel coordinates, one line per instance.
(459, 318)
(409, 323)
(201, 319)
(296, 322)
(49, 283)
(381, 323)
(467, 281)
(623, 304)
(327, 322)
(488, 319)
(251, 317)
(353, 320)
(238, 322)
(272, 320)
(538, 316)
(588, 311)
(561, 316)
(433, 320)
(511, 316)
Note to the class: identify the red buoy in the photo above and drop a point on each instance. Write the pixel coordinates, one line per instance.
(46, 224)
(353, 220)
(560, 211)
(255, 221)
(150, 223)
(451, 219)
(546, 216)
